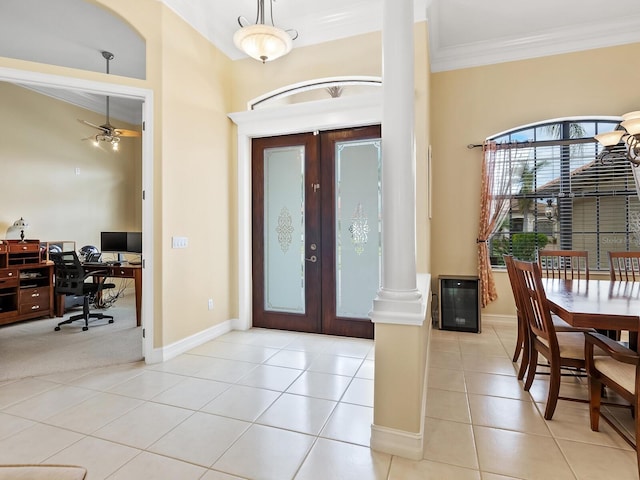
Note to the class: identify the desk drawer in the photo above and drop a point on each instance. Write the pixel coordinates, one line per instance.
(3, 248)
(33, 308)
(34, 295)
(120, 272)
(32, 300)
(8, 274)
(29, 247)
(8, 316)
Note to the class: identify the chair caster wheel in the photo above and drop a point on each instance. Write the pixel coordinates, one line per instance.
(84, 329)
(111, 321)
(57, 329)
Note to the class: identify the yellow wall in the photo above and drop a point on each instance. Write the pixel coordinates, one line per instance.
(40, 151)
(196, 187)
(471, 104)
(358, 55)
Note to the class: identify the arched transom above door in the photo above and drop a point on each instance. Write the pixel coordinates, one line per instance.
(316, 89)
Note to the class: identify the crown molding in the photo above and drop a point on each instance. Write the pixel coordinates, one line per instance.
(569, 39)
(124, 110)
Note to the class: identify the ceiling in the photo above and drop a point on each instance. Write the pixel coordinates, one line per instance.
(463, 33)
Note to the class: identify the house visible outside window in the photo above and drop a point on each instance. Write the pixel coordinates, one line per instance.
(562, 196)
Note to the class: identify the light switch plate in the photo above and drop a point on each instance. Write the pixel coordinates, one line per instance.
(179, 242)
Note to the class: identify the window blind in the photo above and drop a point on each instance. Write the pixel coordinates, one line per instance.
(563, 197)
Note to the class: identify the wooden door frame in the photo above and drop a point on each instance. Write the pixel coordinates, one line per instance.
(330, 114)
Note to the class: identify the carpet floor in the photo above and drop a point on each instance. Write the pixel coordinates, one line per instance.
(32, 348)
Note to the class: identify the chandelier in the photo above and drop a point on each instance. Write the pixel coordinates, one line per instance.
(627, 133)
(262, 41)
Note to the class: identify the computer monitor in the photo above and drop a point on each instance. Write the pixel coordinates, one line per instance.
(121, 242)
(134, 242)
(113, 242)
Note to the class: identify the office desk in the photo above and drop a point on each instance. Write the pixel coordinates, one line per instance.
(600, 304)
(112, 271)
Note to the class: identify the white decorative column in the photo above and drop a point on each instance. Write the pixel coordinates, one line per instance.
(399, 309)
(398, 297)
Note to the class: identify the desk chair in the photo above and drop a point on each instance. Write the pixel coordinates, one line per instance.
(566, 264)
(624, 266)
(70, 279)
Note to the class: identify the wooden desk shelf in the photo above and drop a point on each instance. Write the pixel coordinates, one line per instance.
(26, 282)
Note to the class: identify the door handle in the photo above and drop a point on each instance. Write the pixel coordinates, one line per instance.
(312, 259)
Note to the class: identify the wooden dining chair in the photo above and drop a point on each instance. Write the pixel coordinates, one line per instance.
(562, 349)
(522, 340)
(567, 264)
(624, 266)
(617, 368)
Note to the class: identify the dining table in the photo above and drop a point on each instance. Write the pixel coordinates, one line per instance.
(600, 304)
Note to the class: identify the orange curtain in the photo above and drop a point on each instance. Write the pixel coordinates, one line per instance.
(494, 205)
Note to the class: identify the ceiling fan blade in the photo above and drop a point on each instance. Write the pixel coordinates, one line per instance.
(121, 132)
(102, 128)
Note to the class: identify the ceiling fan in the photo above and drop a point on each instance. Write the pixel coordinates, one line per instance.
(109, 133)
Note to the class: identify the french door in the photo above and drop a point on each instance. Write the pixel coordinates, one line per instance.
(316, 231)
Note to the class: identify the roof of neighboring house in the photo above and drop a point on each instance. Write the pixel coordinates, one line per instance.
(610, 177)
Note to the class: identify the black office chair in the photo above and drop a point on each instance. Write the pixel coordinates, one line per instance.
(71, 280)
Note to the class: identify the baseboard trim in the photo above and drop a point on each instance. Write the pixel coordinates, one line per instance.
(397, 442)
(236, 324)
(493, 318)
(163, 354)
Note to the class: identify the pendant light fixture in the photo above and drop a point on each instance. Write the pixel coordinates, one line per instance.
(262, 41)
(623, 142)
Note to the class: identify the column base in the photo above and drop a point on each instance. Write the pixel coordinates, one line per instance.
(406, 307)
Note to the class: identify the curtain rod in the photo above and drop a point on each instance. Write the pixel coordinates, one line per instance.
(539, 143)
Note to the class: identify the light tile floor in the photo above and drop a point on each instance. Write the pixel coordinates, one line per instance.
(267, 404)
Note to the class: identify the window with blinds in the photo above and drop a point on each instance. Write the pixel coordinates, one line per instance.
(562, 196)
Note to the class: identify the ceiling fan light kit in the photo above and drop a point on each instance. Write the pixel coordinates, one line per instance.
(262, 41)
(108, 133)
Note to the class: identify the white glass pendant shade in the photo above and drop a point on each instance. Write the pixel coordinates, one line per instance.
(632, 126)
(631, 115)
(609, 139)
(263, 42)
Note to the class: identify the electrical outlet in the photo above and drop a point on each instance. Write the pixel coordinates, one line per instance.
(210, 303)
(179, 242)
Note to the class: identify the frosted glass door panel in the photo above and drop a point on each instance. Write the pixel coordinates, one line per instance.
(284, 229)
(358, 233)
